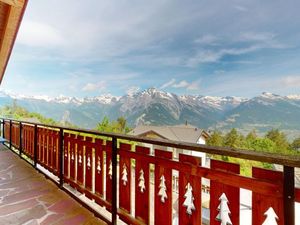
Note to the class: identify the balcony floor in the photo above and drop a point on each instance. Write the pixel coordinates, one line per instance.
(27, 197)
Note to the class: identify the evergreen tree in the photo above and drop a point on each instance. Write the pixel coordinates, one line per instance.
(251, 135)
(280, 140)
(119, 126)
(104, 125)
(215, 139)
(296, 144)
(263, 144)
(233, 139)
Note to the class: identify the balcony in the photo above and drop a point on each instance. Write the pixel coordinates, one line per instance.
(117, 178)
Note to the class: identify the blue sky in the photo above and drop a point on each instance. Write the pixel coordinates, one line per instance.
(208, 47)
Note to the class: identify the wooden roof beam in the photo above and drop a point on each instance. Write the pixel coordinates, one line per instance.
(13, 19)
(14, 3)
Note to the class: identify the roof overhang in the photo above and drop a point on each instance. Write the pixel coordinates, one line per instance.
(11, 14)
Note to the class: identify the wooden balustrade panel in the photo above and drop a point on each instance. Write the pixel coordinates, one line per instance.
(108, 177)
(55, 156)
(232, 193)
(125, 179)
(142, 186)
(50, 150)
(297, 195)
(39, 141)
(41, 135)
(6, 130)
(45, 142)
(261, 203)
(99, 168)
(189, 185)
(72, 143)
(31, 141)
(89, 163)
(28, 140)
(51, 145)
(24, 139)
(66, 155)
(79, 161)
(163, 191)
(15, 138)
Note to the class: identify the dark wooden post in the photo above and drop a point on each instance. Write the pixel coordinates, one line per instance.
(3, 128)
(61, 157)
(289, 195)
(10, 132)
(20, 140)
(114, 180)
(35, 145)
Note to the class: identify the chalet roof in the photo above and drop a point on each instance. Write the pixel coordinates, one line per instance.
(186, 133)
(11, 13)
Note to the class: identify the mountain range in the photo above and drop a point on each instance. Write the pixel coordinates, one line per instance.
(156, 107)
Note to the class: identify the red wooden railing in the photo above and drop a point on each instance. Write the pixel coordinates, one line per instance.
(120, 176)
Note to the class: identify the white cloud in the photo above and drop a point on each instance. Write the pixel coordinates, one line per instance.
(240, 8)
(132, 90)
(207, 39)
(210, 56)
(291, 81)
(257, 36)
(36, 34)
(94, 86)
(219, 71)
(192, 86)
(181, 84)
(168, 84)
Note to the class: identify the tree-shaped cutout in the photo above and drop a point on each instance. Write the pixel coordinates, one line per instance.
(224, 211)
(271, 217)
(80, 159)
(98, 165)
(162, 189)
(142, 181)
(189, 199)
(89, 162)
(72, 156)
(110, 170)
(124, 175)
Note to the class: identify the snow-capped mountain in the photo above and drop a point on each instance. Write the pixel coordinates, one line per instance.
(153, 106)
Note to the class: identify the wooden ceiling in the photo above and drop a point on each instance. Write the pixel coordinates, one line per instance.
(11, 14)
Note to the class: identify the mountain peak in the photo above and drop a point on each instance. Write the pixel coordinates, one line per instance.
(293, 97)
(270, 95)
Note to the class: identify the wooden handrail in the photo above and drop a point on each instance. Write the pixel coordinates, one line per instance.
(284, 160)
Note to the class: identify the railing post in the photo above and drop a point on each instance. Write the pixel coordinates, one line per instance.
(10, 132)
(114, 180)
(3, 128)
(289, 195)
(61, 157)
(20, 140)
(35, 146)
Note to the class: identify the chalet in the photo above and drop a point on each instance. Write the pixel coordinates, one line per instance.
(182, 133)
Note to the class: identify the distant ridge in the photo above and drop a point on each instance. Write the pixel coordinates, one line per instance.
(156, 107)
